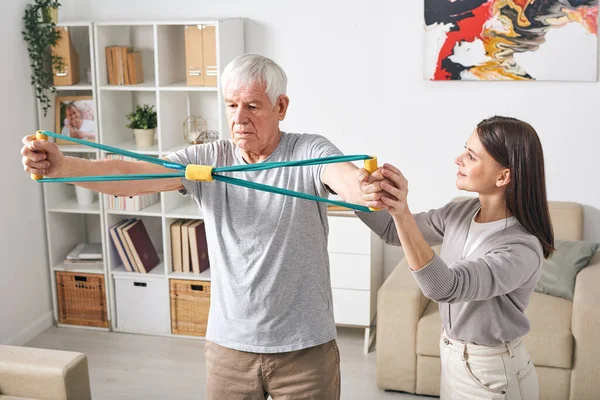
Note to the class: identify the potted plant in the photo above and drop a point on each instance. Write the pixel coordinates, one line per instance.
(41, 34)
(143, 122)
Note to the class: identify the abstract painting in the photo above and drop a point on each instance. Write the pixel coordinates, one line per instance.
(511, 40)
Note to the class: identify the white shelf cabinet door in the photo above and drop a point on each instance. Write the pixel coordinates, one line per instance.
(356, 265)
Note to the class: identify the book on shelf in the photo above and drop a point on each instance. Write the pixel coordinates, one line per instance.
(119, 245)
(126, 247)
(189, 248)
(124, 65)
(198, 247)
(185, 246)
(131, 203)
(141, 246)
(176, 255)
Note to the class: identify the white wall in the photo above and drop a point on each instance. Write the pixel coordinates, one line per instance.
(355, 76)
(25, 303)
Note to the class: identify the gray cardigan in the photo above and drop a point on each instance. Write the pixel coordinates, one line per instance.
(483, 297)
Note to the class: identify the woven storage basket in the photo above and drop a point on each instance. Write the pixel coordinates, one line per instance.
(81, 299)
(190, 302)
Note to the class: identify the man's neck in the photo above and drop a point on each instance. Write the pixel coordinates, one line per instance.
(262, 154)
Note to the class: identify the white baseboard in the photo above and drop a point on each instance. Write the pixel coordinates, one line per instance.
(39, 326)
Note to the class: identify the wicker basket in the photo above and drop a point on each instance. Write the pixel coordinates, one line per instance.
(190, 302)
(81, 299)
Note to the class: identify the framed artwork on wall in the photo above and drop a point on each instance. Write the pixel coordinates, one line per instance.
(75, 117)
(550, 40)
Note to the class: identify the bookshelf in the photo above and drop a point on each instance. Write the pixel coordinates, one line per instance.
(136, 303)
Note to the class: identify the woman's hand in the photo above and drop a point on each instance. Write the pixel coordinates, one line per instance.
(395, 197)
(372, 189)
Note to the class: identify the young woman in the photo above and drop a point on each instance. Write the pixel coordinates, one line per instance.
(490, 261)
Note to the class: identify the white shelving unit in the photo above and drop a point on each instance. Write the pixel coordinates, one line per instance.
(67, 222)
(138, 303)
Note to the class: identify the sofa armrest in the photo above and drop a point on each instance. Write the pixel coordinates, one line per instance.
(43, 374)
(585, 326)
(400, 305)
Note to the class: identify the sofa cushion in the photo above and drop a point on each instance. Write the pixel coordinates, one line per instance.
(560, 270)
(550, 341)
(429, 331)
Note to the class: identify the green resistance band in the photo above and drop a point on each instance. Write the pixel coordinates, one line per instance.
(205, 173)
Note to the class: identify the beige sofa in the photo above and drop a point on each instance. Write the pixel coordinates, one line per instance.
(28, 373)
(563, 342)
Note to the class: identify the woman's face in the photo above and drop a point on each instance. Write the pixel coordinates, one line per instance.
(74, 116)
(477, 170)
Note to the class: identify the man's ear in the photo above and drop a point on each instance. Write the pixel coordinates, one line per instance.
(282, 106)
(503, 178)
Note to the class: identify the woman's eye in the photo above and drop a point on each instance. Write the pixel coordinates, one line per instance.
(471, 157)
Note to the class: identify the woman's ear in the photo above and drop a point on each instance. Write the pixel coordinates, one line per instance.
(503, 178)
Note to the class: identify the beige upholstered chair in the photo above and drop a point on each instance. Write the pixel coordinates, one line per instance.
(29, 373)
(563, 341)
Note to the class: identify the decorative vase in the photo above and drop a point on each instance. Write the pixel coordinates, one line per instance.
(84, 196)
(144, 137)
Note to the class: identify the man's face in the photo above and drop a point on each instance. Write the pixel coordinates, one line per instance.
(74, 116)
(253, 120)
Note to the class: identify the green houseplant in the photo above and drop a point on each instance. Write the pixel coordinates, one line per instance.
(143, 121)
(40, 34)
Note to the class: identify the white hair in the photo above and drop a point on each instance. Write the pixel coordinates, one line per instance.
(249, 69)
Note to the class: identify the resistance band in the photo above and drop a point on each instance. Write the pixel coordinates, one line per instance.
(207, 173)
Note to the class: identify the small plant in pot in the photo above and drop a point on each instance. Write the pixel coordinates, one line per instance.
(143, 122)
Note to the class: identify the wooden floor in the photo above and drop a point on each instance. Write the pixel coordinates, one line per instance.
(126, 366)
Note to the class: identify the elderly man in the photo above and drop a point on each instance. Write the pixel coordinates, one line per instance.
(271, 329)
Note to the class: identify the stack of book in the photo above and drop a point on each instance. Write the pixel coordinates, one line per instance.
(131, 203)
(124, 66)
(88, 255)
(189, 249)
(134, 246)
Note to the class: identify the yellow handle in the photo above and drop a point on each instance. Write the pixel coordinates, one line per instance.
(371, 166)
(200, 173)
(39, 136)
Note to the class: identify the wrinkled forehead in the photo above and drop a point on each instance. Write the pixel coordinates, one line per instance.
(237, 90)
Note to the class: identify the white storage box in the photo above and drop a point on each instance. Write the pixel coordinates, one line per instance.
(142, 305)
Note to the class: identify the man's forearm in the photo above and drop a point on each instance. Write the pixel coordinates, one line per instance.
(73, 166)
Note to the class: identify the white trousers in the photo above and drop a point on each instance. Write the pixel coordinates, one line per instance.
(471, 371)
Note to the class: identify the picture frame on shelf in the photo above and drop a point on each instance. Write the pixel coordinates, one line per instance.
(75, 117)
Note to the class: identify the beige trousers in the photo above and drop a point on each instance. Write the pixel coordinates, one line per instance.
(486, 372)
(312, 373)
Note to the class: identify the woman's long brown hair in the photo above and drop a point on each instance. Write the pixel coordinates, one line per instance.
(515, 145)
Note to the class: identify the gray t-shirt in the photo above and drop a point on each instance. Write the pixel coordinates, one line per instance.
(270, 281)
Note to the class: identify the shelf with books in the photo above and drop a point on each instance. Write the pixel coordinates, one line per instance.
(165, 86)
(137, 37)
